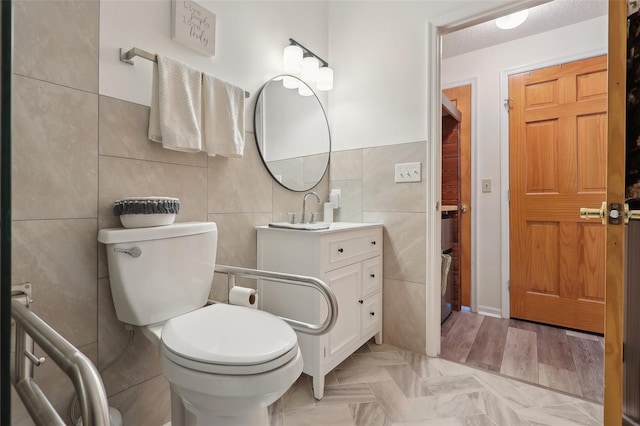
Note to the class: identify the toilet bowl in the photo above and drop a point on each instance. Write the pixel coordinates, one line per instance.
(223, 359)
(225, 364)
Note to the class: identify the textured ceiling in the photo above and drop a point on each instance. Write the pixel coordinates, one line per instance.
(546, 17)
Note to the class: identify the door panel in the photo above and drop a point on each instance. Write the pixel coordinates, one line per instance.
(558, 143)
(345, 283)
(591, 260)
(542, 268)
(541, 157)
(592, 154)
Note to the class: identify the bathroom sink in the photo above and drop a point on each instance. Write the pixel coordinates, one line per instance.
(301, 226)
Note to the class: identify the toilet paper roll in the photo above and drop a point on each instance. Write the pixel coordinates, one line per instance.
(243, 296)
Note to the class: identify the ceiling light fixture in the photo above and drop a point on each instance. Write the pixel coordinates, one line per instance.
(300, 61)
(511, 21)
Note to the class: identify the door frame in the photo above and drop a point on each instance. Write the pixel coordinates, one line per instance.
(454, 20)
(505, 237)
(462, 18)
(473, 82)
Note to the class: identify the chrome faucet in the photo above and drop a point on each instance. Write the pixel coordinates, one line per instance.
(304, 204)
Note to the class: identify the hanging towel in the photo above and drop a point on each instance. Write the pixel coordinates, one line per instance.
(222, 117)
(444, 272)
(176, 106)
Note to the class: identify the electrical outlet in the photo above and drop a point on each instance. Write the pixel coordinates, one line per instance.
(408, 172)
(486, 185)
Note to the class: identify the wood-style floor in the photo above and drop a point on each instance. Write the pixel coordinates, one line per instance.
(560, 359)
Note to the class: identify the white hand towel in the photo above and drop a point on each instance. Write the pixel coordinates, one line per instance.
(222, 117)
(176, 106)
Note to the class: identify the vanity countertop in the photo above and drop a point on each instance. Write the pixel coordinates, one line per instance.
(333, 227)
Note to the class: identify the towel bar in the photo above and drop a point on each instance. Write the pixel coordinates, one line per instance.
(128, 56)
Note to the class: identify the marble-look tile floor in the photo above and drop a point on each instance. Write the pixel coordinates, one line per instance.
(384, 385)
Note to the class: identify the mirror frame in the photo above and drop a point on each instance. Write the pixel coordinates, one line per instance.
(255, 132)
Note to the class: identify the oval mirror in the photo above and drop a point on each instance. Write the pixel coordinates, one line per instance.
(292, 133)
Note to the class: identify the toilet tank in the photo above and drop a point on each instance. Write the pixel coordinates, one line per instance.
(169, 275)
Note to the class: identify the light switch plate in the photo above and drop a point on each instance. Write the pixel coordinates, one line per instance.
(486, 185)
(408, 172)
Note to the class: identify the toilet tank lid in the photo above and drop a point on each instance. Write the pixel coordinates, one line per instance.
(127, 235)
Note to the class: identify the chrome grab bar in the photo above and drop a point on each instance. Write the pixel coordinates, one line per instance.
(84, 375)
(298, 280)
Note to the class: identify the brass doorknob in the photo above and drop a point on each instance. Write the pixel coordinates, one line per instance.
(601, 213)
(463, 208)
(630, 214)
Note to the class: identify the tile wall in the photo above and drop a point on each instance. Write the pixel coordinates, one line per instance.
(369, 194)
(74, 153)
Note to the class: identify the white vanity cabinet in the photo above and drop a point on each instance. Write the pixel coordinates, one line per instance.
(348, 258)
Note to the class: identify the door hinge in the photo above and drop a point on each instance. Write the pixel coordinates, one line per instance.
(507, 103)
(325, 351)
(509, 196)
(509, 285)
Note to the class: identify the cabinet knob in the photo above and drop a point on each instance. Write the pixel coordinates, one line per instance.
(372, 313)
(361, 301)
(373, 243)
(340, 250)
(372, 275)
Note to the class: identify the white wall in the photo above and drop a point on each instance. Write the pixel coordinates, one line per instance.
(250, 37)
(380, 52)
(380, 89)
(485, 66)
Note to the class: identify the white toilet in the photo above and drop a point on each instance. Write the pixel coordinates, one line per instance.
(225, 364)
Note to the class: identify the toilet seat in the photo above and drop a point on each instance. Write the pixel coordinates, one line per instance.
(227, 339)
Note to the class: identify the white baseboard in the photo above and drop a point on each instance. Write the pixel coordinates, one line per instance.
(490, 311)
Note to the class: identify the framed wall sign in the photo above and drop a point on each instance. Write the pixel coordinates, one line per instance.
(193, 26)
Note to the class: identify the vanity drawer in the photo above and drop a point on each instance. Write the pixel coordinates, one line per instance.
(342, 250)
(371, 314)
(371, 275)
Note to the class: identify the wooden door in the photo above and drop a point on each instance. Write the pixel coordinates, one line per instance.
(461, 97)
(614, 329)
(558, 164)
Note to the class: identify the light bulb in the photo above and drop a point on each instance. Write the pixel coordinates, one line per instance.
(292, 59)
(310, 65)
(304, 90)
(513, 20)
(325, 79)
(290, 82)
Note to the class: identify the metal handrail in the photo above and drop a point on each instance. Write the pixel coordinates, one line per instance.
(84, 375)
(298, 280)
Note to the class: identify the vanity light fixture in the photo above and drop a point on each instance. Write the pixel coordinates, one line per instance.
(290, 82)
(304, 90)
(292, 59)
(513, 20)
(310, 67)
(298, 60)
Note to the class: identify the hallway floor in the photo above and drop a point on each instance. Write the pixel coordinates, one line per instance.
(384, 386)
(560, 359)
